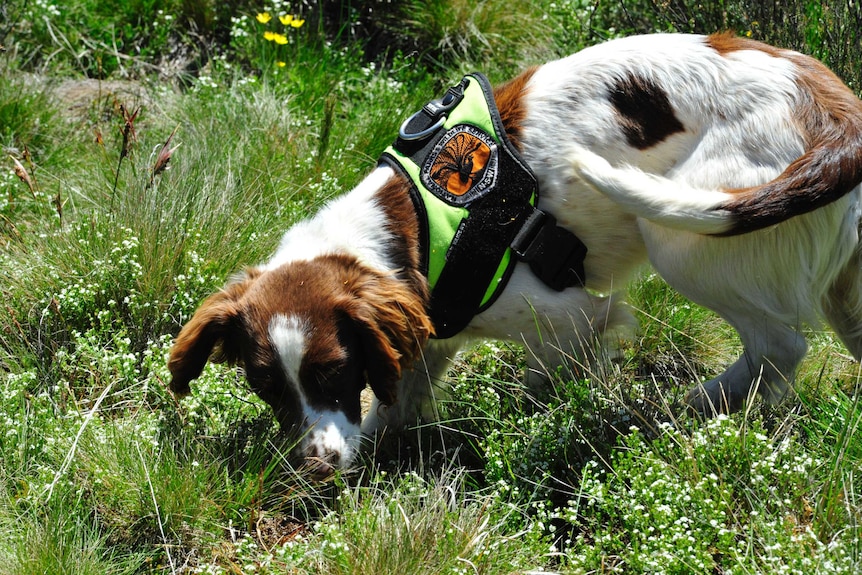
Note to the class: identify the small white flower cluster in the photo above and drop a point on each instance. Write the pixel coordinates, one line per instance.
(33, 433)
(240, 26)
(164, 17)
(84, 297)
(191, 285)
(44, 8)
(681, 503)
(220, 399)
(205, 82)
(327, 186)
(9, 186)
(532, 451)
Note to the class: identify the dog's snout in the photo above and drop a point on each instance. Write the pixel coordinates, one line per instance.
(321, 467)
(330, 444)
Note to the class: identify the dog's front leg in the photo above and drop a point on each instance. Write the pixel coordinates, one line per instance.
(417, 393)
(573, 349)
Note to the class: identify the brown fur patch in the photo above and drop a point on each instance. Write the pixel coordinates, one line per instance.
(643, 112)
(829, 116)
(357, 323)
(509, 98)
(403, 223)
(726, 42)
(203, 336)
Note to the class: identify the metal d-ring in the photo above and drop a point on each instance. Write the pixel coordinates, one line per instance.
(404, 135)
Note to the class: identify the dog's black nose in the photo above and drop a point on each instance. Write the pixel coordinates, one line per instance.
(320, 468)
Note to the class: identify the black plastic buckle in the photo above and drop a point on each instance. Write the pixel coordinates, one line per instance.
(555, 254)
(432, 116)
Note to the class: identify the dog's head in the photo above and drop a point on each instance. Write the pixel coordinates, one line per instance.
(309, 336)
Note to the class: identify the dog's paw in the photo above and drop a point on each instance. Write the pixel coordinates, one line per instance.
(713, 398)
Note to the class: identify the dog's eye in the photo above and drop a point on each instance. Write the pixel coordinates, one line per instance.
(259, 379)
(326, 374)
(338, 379)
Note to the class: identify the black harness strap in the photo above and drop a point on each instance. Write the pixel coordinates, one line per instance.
(555, 254)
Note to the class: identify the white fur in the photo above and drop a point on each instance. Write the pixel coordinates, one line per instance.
(332, 439)
(348, 225)
(288, 336)
(659, 199)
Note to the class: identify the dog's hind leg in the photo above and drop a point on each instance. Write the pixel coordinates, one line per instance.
(842, 305)
(768, 365)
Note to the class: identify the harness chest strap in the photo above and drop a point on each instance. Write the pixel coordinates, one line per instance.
(476, 200)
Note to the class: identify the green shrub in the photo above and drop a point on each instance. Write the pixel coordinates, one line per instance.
(103, 257)
(726, 498)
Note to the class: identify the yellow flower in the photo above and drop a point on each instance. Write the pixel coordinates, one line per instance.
(281, 64)
(263, 17)
(269, 35)
(280, 39)
(285, 19)
(296, 22)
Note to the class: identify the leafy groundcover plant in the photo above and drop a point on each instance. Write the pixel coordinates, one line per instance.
(150, 149)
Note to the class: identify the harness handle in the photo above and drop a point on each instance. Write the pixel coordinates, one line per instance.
(432, 116)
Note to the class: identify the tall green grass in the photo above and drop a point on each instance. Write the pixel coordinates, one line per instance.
(103, 257)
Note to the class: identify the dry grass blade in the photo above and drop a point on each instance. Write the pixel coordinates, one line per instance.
(163, 157)
(128, 130)
(129, 138)
(24, 175)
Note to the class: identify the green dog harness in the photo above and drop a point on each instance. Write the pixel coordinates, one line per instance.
(476, 200)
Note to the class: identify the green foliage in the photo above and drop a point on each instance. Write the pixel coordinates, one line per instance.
(60, 537)
(268, 39)
(678, 339)
(422, 526)
(725, 498)
(26, 114)
(832, 426)
(107, 247)
(532, 448)
(456, 34)
(90, 37)
(118, 37)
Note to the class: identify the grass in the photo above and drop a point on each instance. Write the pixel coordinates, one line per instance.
(104, 253)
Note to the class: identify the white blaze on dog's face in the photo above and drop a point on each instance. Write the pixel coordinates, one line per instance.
(309, 335)
(332, 419)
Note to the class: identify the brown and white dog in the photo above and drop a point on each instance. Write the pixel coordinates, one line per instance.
(733, 166)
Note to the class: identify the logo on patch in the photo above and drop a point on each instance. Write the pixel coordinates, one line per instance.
(462, 166)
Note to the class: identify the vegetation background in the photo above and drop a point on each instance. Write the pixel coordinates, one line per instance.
(150, 148)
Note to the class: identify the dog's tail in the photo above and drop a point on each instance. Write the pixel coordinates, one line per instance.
(821, 176)
(829, 169)
(825, 173)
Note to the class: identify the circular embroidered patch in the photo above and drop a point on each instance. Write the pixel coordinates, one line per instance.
(462, 166)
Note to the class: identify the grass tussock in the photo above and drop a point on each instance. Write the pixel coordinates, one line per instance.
(152, 149)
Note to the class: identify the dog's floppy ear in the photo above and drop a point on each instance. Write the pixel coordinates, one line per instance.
(393, 326)
(207, 334)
